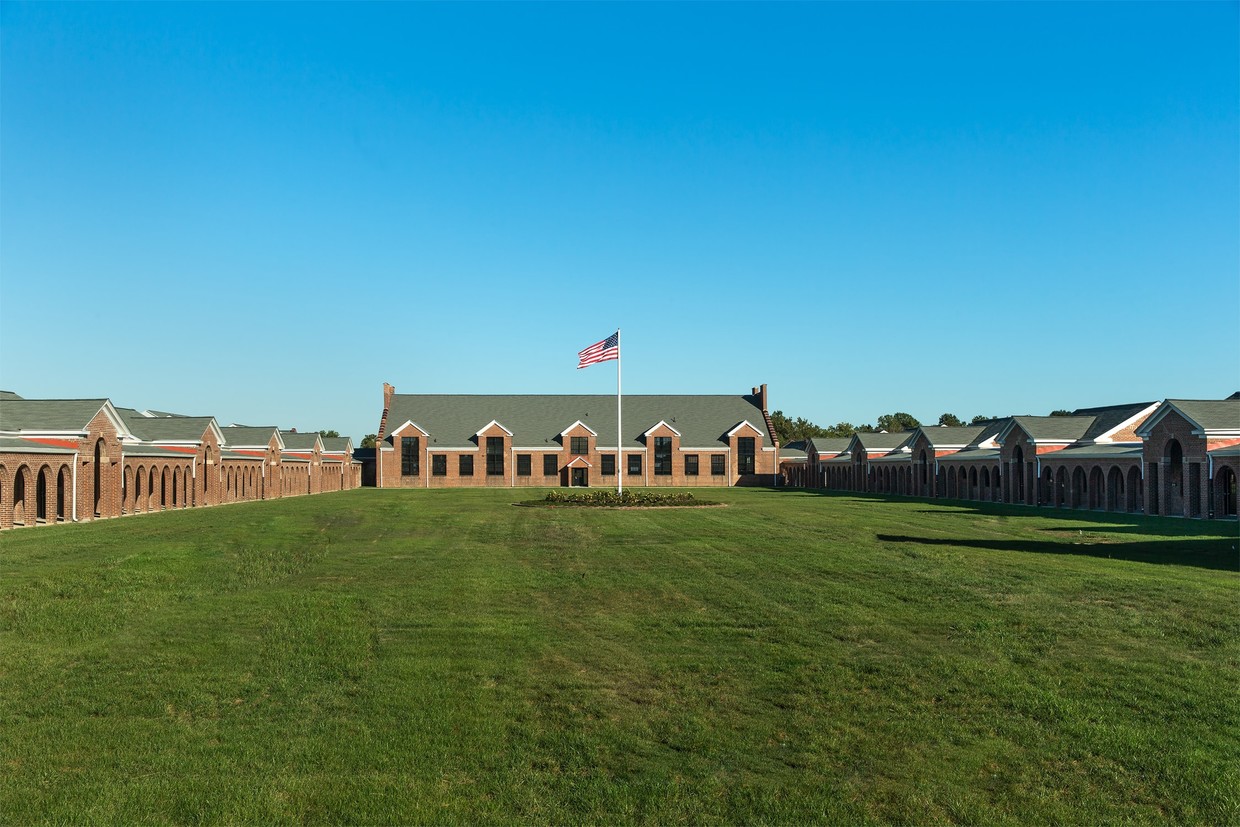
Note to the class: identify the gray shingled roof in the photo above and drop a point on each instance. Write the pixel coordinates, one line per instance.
(1094, 452)
(1211, 414)
(1226, 451)
(247, 435)
(973, 455)
(144, 450)
(335, 443)
(299, 441)
(1109, 417)
(48, 414)
(8, 395)
(535, 421)
(793, 450)
(1054, 428)
(829, 444)
(15, 445)
(883, 442)
(952, 435)
(162, 429)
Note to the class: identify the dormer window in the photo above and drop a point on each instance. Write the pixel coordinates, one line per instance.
(579, 445)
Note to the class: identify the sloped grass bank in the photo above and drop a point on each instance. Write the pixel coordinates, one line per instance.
(438, 656)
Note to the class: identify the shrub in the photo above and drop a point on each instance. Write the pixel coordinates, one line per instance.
(610, 499)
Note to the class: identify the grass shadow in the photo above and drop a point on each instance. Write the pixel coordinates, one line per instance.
(1218, 554)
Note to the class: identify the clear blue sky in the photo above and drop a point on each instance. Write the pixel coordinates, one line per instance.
(263, 212)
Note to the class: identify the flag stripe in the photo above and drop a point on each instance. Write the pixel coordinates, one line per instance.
(603, 351)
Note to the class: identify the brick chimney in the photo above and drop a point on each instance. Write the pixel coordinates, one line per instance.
(388, 390)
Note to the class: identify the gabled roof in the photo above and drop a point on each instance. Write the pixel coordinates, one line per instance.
(879, 442)
(794, 450)
(575, 424)
(1209, 417)
(56, 415)
(487, 427)
(1055, 429)
(537, 420)
(8, 395)
(949, 436)
(245, 436)
(656, 425)
(294, 441)
(189, 429)
(827, 444)
(337, 444)
(1111, 418)
(16, 445)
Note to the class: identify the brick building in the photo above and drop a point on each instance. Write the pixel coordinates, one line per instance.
(439, 441)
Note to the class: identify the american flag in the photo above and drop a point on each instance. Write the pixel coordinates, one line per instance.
(603, 351)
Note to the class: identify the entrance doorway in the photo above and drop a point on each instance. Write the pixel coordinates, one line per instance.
(580, 477)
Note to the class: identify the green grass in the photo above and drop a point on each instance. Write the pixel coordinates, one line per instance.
(440, 656)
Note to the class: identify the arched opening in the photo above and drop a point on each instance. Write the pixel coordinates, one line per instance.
(1173, 457)
(973, 483)
(962, 484)
(176, 479)
(163, 488)
(1061, 487)
(1018, 474)
(1096, 488)
(1135, 502)
(150, 489)
(924, 477)
(1046, 494)
(996, 493)
(126, 489)
(62, 484)
(985, 483)
(1079, 488)
(1225, 484)
(98, 477)
(1115, 490)
(19, 496)
(138, 504)
(40, 496)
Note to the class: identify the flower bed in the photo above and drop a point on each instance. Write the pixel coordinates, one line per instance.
(628, 499)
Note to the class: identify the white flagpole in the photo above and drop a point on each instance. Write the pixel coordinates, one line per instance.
(619, 422)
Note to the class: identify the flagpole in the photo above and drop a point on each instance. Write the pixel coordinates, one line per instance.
(619, 422)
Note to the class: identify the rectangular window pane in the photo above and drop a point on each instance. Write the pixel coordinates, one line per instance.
(410, 450)
(716, 465)
(467, 465)
(745, 455)
(663, 456)
(635, 465)
(439, 465)
(550, 465)
(495, 456)
(523, 465)
(579, 445)
(691, 465)
(609, 465)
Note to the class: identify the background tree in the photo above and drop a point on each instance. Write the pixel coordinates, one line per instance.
(980, 418)
(1061, 412)
(950, 420)
(895, 422)
(330, 434)
(369, 441)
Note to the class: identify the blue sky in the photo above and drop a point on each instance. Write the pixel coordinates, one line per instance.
(263, 212)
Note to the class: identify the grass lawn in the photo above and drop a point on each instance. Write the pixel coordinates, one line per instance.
(440, 656)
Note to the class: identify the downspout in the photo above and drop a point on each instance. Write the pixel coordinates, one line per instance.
(194, 470)
(512, 466)
(75, 465)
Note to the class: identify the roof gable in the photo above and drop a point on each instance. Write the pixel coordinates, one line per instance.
(1208, 417)
(663, 424)
(576, 424)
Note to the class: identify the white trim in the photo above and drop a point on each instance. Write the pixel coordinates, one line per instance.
(570, 427)
(406, 423)
(663, 422)
(579, 458)
(715, 450)
(484, 428)
(1144, 413)
(742, 423)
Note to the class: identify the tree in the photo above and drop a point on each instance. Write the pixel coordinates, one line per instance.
(329, 434)
(369, 440)
(980, 419)
(1061, 412)
(898, 421)
(950, 420)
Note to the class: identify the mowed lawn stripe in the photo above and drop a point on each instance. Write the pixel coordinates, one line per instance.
(441, 656)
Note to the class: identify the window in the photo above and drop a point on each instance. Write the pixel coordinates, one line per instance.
(439, 465)
(635, 465)
(410, 448)
(691, 465)
(523, 465)
(495, 456)
(663, 456)
(466, 465)
(609, 465)
(579, 445)
(745, 455)
(716, 465)
(550, 465)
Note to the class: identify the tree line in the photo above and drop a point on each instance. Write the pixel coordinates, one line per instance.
(791, 430)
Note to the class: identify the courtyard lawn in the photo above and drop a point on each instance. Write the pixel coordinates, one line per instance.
(440, 656)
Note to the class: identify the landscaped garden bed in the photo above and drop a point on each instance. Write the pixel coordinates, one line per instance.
(625, 499)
